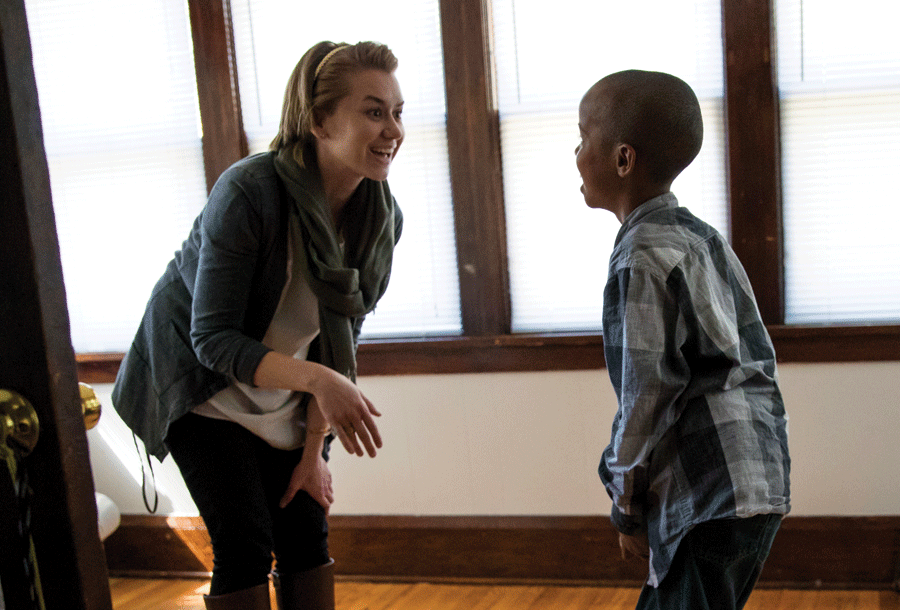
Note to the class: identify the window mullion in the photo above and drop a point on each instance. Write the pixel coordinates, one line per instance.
(754, 164)
(224, 140)
(473, 134)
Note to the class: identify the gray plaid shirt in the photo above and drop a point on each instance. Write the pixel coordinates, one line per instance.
(701, 430)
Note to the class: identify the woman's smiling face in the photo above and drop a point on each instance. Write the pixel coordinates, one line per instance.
(362, 136)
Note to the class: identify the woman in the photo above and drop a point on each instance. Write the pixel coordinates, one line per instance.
(245, 361)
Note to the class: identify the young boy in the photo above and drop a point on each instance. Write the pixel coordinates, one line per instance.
(698, 466)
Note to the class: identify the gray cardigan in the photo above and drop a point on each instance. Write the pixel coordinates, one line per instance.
(208, 313)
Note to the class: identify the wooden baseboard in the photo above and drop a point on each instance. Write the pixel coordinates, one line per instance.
(827, 552)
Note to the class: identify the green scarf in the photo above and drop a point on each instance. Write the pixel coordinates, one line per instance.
(348, 284)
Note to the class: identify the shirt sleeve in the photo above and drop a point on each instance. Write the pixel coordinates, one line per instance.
(642, 332)
(230, 230)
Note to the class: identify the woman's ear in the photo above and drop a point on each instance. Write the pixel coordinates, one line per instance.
(318, 126)
(626, 157)
(319, 131)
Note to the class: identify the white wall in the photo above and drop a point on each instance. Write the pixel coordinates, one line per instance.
(529, 444)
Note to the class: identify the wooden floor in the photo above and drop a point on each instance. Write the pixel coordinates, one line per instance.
(174, 594)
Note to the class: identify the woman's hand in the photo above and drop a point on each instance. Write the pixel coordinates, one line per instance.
(312, 476)
(344, 407)
(348, 411)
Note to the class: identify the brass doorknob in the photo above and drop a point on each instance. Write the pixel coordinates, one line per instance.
(90, 405)
(19, 427)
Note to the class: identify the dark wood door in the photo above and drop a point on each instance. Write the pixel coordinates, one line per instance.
(36, 357)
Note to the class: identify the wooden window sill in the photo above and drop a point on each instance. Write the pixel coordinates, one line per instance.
(562, 352)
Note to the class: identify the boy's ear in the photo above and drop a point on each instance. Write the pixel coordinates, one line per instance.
(626, 157)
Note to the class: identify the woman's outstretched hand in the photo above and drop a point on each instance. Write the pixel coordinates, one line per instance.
(349, 412)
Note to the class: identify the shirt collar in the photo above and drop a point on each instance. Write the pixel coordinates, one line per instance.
(666, 200)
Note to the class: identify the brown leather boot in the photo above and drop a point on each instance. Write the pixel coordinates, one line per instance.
(310, 590)
(254, 598)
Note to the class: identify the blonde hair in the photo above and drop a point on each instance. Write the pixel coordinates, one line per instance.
(319, 81)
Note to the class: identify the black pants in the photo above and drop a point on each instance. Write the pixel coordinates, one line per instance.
(715, 567)
(236, 480)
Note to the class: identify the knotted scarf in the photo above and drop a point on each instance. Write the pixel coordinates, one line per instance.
(347, 284)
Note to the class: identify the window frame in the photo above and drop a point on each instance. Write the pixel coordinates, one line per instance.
(473, 126)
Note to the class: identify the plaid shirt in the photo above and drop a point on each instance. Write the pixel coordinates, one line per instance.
(701, 430)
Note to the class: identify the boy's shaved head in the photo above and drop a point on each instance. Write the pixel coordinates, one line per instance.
(656, 113)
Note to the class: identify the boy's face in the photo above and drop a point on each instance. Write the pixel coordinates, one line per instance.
(593, 157)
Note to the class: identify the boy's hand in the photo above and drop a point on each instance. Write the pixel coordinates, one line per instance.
(636, 546)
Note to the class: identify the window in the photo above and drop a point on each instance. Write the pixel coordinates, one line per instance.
(121, 131)
(270, 37)
(546, 61)
(839, 81)
(124, 148)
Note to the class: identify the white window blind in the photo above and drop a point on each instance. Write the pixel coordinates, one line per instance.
(121, 130)
(547, 58)
(839, 81)
(271, 36)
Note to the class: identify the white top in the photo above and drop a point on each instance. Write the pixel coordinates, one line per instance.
(273, 415)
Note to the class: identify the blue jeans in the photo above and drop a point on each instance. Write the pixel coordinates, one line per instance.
(236, 480)
(715, 567)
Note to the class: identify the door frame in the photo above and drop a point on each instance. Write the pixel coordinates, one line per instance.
(36, 355)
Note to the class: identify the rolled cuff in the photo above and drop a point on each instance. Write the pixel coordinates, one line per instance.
(627, 524)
